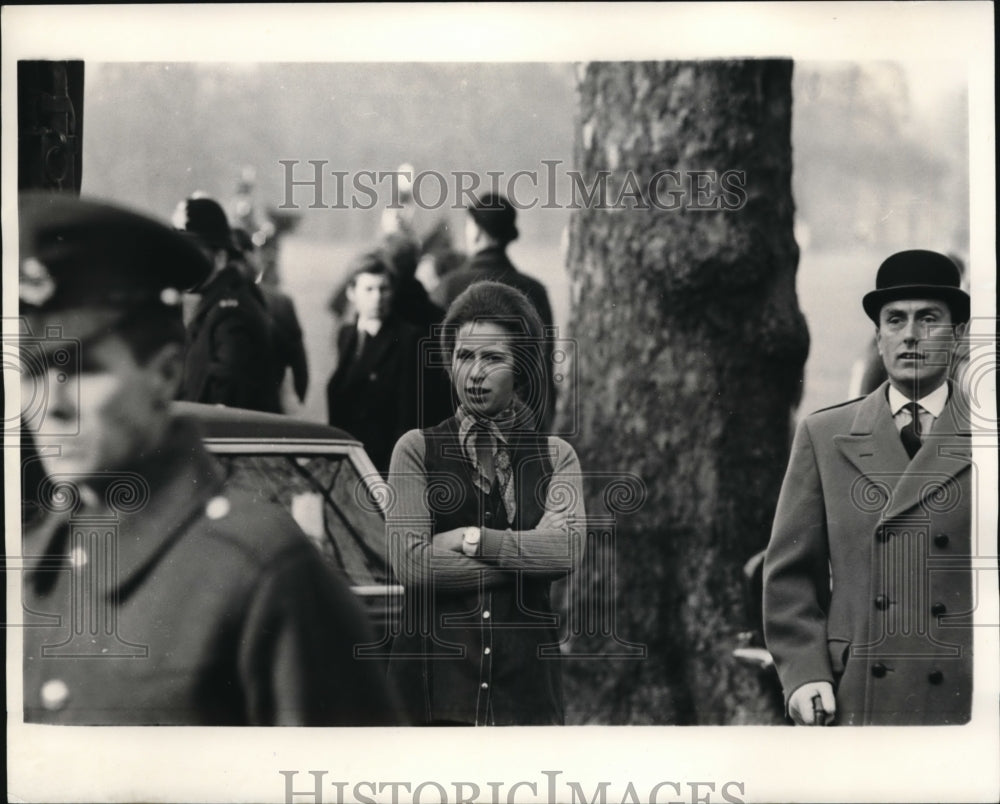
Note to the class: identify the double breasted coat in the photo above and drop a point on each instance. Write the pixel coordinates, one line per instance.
(867, 577)
(179, 601)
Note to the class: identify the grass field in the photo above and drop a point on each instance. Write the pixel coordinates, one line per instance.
(830, 286)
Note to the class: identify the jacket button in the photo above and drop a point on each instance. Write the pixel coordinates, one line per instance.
(879, 670)
(938, 609)
(217, 508)
(55, 694)
(485, 686)
(941, 540)
(489, 516)
(486, 615)
(935, 676)
(881, 602)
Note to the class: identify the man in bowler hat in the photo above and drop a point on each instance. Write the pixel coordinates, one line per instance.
(152, 593)
(230, 356)
(867, 577)
(490, 227)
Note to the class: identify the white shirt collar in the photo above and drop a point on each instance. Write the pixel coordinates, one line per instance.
(369, 327)
(933, 403)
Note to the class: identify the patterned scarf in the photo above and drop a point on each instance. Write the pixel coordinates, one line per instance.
(496, 432)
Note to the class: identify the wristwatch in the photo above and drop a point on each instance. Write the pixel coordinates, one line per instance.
(470, 541)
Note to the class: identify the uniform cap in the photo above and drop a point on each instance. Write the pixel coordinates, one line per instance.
(204, 218)
(78, 252)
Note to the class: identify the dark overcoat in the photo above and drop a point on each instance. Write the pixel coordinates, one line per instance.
(867, 578)
(229, 356)
(177, 601)
(375, 396)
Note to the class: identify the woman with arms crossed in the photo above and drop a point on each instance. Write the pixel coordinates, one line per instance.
(487, 513)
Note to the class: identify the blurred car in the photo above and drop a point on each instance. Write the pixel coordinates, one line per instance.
(323, 478)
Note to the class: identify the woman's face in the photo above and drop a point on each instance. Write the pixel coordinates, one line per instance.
(482, 368)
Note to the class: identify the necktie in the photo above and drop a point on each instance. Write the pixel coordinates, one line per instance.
(359, 348)
(910, 434)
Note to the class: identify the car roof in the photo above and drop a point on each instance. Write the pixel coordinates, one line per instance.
(219, 421)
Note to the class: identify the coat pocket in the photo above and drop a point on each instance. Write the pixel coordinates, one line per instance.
(838, 650)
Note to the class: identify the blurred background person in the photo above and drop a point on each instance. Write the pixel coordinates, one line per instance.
(230, 345)
(478, 562)
(438, 255)
(289, 349)
(373, 392)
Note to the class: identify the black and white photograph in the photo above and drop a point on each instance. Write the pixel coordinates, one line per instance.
(617, 380)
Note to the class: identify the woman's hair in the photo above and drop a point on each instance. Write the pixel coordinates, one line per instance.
(510, 309)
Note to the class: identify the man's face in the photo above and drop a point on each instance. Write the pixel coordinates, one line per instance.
(916, 340)
(108, 416)
(371, 295)
(482, 368)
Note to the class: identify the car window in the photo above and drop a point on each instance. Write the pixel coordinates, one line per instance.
(328, 499)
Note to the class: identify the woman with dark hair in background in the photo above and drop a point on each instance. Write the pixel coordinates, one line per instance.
(487, 513)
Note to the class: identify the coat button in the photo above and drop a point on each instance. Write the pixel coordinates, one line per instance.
(217, 508)
(941, 540)
(487, 651)
(486, 615)
(938, 609)
(935, 676)
(881, 602)
(485, 686)
(488, 516)
(879, 670)
(55, 694)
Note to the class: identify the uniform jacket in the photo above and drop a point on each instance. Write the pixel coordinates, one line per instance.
(479, 641)
(867, 578)
(201, 607)
(290, 351)
(494, 265)
(230, 347)
(374, 396)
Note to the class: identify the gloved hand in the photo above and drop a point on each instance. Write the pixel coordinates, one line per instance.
(802, 709)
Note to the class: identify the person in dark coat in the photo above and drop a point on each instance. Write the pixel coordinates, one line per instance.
(490, 227)
(230, 357)
(153, 594)
(289, 347)
(487, 514)
(864, 625)
(374, 391)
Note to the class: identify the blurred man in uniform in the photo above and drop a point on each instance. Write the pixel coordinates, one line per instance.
(289, 348)
(230, 356)
(490, 228)
(152, 594)
(864, 625)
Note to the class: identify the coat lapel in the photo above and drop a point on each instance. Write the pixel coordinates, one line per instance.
(873, 445)
(945, 453)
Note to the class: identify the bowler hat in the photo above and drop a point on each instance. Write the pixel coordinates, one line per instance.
(918, 274)
(494, 215)
(204, 218)
(78, 253)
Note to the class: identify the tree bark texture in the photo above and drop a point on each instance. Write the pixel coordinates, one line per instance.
(688, 365)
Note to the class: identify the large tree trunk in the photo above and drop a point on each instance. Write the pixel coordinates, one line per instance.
(688, 364)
